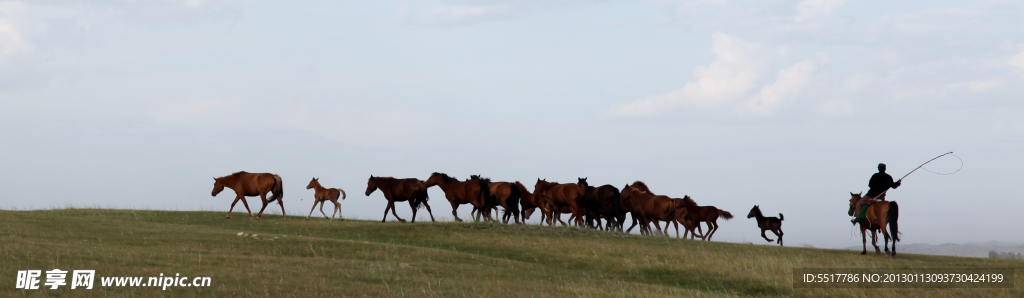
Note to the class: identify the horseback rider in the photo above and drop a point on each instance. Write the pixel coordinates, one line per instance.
(877, 186)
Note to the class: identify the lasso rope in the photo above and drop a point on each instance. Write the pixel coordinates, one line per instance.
(922, 165)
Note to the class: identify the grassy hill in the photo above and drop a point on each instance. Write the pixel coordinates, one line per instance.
(314, 258)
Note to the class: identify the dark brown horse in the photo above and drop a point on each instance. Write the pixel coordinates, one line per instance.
(250, 185)
(475, 192)
(879, 214)
(706, 214)
(400, 190)
(562, 195)
(322, 195)
(767, 223)
(605, 203)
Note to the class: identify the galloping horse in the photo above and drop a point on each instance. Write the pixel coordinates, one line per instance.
(562, 195)
(878, 215)
(399, 190)
(648, 207)
(322, 194)
(475, 192)
(250, 185)
(706, 214)
(767, 223)
(604, 202)
(680, 218)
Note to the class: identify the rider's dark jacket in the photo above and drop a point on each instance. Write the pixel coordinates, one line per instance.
(880, 182)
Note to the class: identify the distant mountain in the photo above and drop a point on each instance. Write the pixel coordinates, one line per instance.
(978, 249)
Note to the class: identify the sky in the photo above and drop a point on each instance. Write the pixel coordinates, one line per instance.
(789, 105)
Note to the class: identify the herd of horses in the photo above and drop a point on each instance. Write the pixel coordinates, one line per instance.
(587, 206)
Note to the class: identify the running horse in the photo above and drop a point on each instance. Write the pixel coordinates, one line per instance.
(400, 190)
(475, 192)
(247, 184)
(705, 214)
(562, 195)
(322, 194)
(879, 214)
(773, 224)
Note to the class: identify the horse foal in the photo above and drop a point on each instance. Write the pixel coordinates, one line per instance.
(767, 223)
(322, 194)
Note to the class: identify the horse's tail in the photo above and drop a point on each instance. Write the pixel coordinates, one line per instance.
(485, 194)
(781, 218)
(893, 218)
(342, 193)
(277, 192)
(421, 196)
(620, 213)
(513, 199)
(724, 214)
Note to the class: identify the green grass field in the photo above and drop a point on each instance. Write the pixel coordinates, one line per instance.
(317, 258)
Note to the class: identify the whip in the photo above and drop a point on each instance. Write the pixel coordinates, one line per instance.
(930, 160)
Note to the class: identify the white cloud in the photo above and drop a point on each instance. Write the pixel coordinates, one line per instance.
(12, 41)
(726, 82)
(976, 85)
(464, 12)
(789, 83)
(816, 9)
(733, 73)
(1018, 60)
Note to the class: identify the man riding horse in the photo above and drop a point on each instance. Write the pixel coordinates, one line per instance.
(877, 186)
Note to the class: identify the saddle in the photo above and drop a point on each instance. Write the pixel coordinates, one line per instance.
(864, 209)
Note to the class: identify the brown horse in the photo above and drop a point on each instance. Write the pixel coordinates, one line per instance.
(399, 190)
(879, 214)
(528, 202)
(767, 223)
(250, 185)
(562, 195)
(322, 194)
(680, 218)
(506, 195)
(648, 207)
(706, 214)
(475, 192)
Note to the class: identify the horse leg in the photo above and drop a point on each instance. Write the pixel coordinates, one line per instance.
(455, 207)
(263, 197)
(630, 229)
(778, 233)
(337, 206)
(233, 206)
(322, 208)
(280, 202)
(392, 204)
(766, 237)
(311, 209)
(246, 204)
(412, 205)
(874, 242)
(863, 240)
(712, 233)
(429, 212)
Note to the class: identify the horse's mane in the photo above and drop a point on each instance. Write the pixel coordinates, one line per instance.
(641, 186)
(238, 173)
(758, 210)
(477, 177)
(689, 201)
(444, 177)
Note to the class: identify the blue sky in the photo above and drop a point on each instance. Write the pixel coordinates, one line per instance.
(785, 104)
